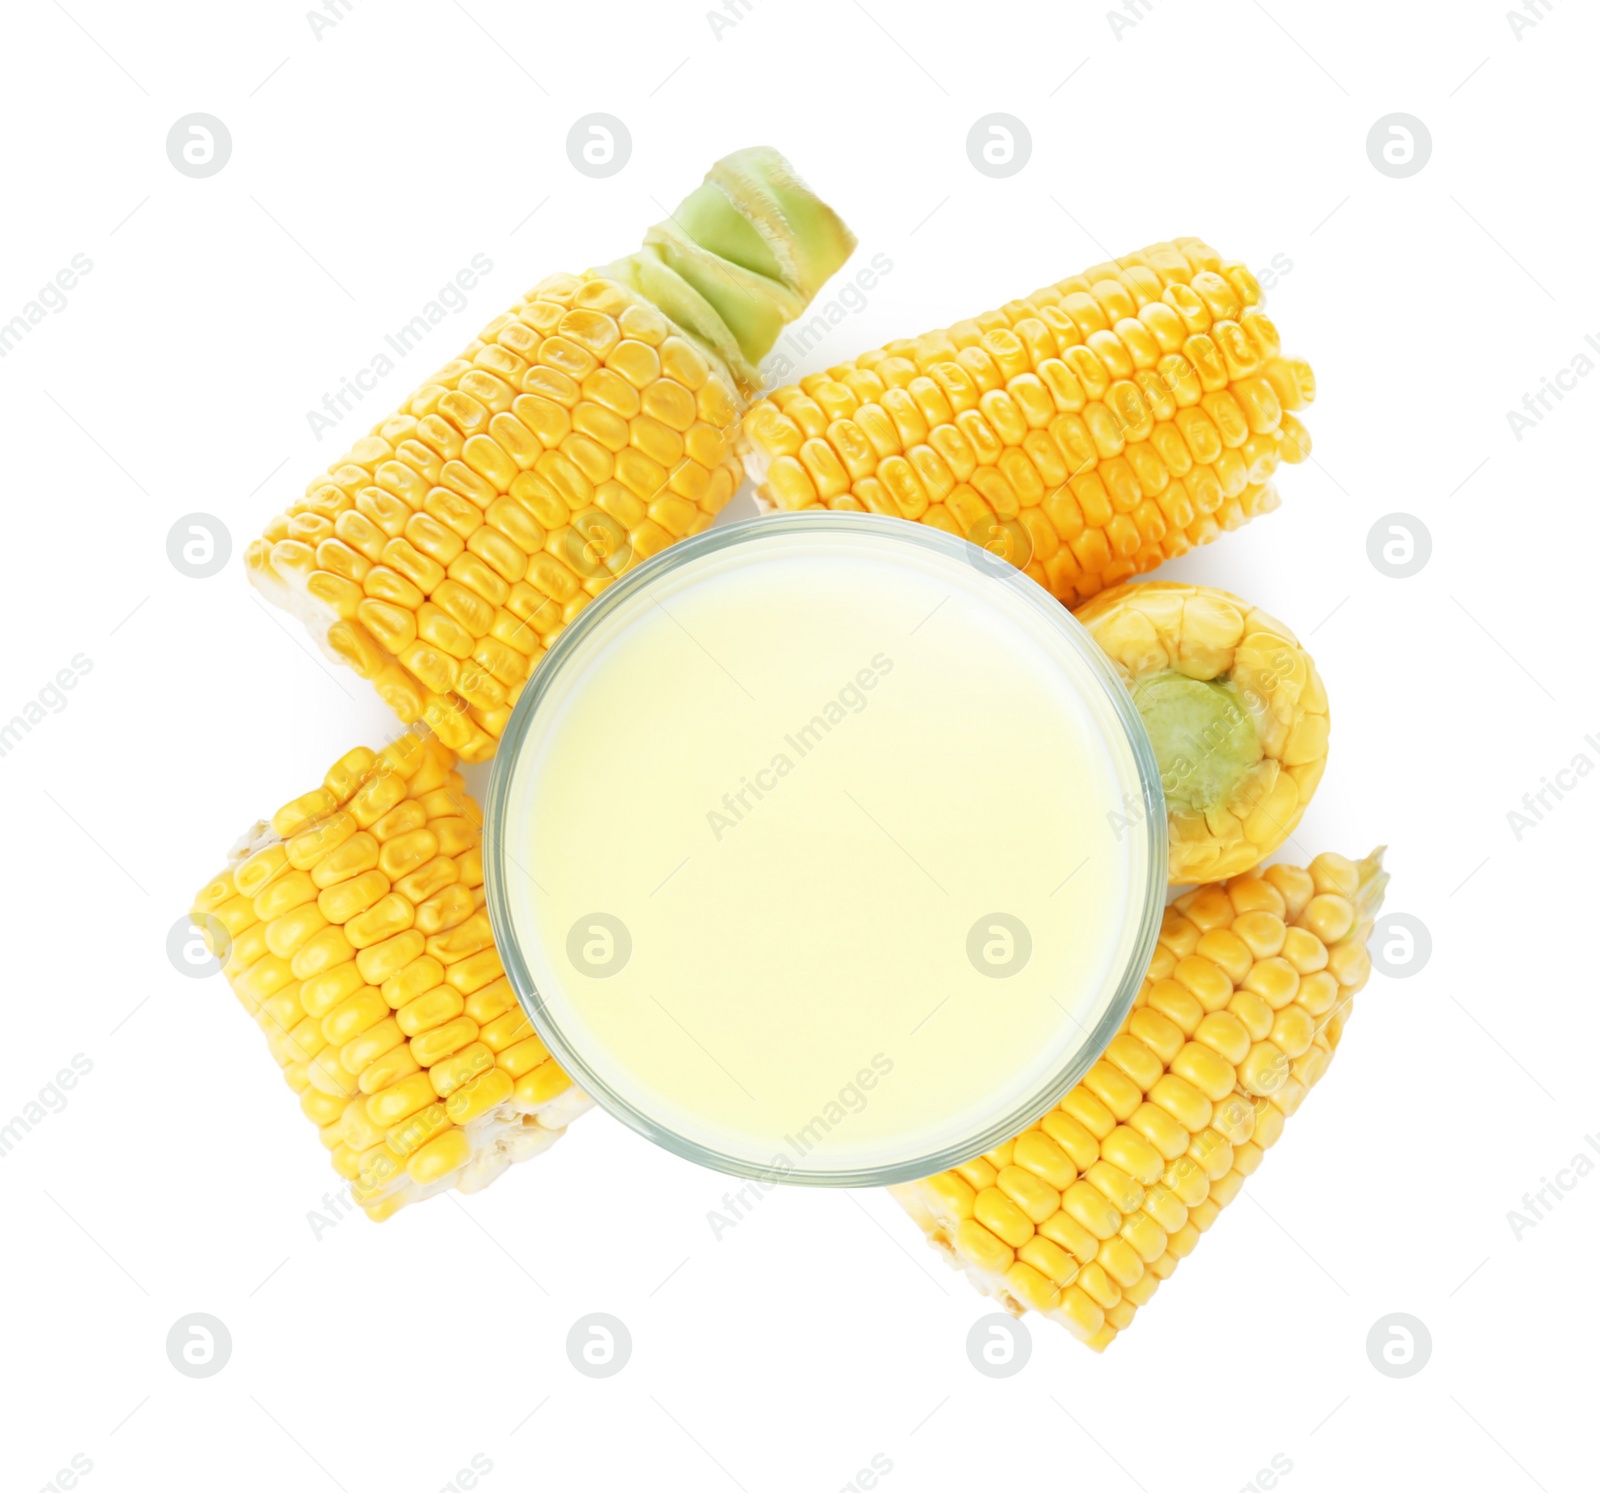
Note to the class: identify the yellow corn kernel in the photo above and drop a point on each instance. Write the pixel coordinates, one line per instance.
(1113, 1088)
(536, 1089)
(300, 812)
(1120, 1261)
(346, 900)
(463, 942)
(382, 961)
(357, 1128)
(1225, 1035)
(327, 1073)
(355, 854)
(1234, 1117)
(1155, 1125)
(1050, 1260)
(445, 1153)
(390, 1105)
(461, 1067)
(320, 1107)
(974, 1243)
(1080, 1145)
(417, 977)
(1210, 1073)
(388, 1069)
(1130, 1152)
(416, 1130)
(1037, 1199)
(1031, 1287)
(1085, 1204)
(1083, 1317)
(522, 1057)
(1265, 1069)
(478, 1095)
(1089, 1112)
(978, 1173)
(1099, 1286)
(400, 820)
(1063, 1229)
(431, 1046)
(325, 949)
(950, 1197)
(390, 915)
(433, 1008)
(360, 1051)
(1001, 1155)
(1205, 981)
(320, 993)
(288, 934)
(253, 874)
(1002, 1217)
(354, 1015)
(1292, 1030)
(1036, 1151)
(507, 1027)
(283, 894)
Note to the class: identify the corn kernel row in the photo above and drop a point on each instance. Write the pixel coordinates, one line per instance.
(1087, 432)
(1084, 1214)
(354, 931)
(579, 434)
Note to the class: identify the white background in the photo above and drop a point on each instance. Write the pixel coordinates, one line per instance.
(367, 168)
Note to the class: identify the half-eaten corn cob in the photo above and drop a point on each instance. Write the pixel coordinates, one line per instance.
(584, 430)
(1236, 713)
(1086, 1212)
(354, 931)
(1086, 432)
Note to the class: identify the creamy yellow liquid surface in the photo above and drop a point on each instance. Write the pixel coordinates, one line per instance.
(760, 832)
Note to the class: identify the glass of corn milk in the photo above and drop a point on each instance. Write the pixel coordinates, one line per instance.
(825, 848)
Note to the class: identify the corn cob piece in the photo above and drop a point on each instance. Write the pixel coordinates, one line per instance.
(1236, 713)
(356, 935)
(1086, 432)
(1084, 1214)
(583, 430)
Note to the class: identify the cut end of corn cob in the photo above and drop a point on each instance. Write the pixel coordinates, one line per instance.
(1236, 713)
(583, 431)
(1086, 432)
(741, 257)
(1083, 1215)
(355, 933)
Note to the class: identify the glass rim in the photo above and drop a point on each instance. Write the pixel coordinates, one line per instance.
(728, 536)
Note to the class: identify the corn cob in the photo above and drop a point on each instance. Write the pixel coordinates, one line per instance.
(1236, 713)
(1086, 433)
(585, 429)
(353, 929)
(1086, 1212)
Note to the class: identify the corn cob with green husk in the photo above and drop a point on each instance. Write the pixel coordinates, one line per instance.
(1086, 432)
(1083, 1215)
(585, 429)
(1236, 713)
